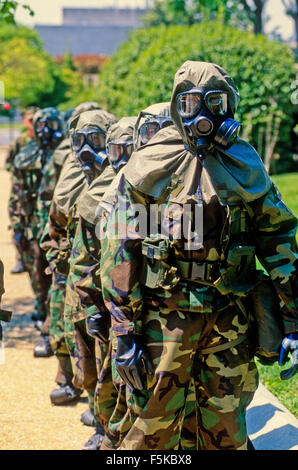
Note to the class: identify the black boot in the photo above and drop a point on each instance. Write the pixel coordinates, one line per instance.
(18, 269)
(94, 442)
(65, 394)
(43, 349)
(88, 418)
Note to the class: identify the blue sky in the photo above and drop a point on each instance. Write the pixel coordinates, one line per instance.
(49, 12)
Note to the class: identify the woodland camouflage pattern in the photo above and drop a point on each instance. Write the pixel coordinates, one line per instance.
(181, 319)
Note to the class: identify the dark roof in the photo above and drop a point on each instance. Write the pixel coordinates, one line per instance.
(82, 39)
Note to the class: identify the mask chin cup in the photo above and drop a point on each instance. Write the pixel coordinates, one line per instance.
(227, 133)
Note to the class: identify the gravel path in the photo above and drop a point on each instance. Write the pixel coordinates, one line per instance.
(28, 421)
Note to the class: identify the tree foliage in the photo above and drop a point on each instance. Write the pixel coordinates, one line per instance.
(8, 10)
(142, 72)
(245, 14)
(30, 75)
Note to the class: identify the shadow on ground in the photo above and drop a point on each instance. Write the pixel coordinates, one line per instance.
(20, 330)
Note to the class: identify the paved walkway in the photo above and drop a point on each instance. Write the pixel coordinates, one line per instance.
(270, 425)
(39, 425)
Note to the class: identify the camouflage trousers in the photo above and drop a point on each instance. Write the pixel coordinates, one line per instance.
(91, 365)
(117, 421)
(196, 399)
(57, 327)
(35, 263)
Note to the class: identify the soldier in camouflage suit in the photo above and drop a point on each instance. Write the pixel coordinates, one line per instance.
(84, 279)
(62, 224)
(35, 191)
(110, 408)
(148, 123)
(53, 242)
(14, 149)
(180, 299)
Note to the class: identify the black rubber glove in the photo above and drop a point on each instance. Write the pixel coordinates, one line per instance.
(289, 344)
(98, 326)
(131, 359)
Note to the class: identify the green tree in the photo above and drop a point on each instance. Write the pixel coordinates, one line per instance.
(255, 12)
(29, 73)
(291, 7)
(241, 13)
(9, 31)
(8, 10)
(262, 69)
(25, 71)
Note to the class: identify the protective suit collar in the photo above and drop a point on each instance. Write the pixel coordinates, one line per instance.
(71, 184)
(165, 169)
(88, 203)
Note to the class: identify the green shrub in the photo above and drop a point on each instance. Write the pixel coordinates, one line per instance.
(141, 72)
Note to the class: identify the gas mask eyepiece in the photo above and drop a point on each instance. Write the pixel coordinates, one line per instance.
(119, 153)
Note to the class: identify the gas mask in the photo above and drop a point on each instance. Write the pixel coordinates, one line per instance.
(150, 127)
(89, 146)
(48, 132)
(119, 153)
(205, 117)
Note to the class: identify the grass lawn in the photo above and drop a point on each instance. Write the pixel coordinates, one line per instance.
(284, 390)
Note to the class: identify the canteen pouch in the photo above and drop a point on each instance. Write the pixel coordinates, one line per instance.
(239, 275)
(267, 325)
(156, 272)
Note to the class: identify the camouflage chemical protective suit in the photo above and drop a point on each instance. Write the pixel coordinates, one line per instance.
(186, 308)
(85, 280)
(62, 225)
(51, 245)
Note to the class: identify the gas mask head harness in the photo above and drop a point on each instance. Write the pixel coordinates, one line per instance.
(206, 117)
(48, 128)
(150, 127)
(89, 147)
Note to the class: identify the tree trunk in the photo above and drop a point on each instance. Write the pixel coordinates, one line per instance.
(258, 25)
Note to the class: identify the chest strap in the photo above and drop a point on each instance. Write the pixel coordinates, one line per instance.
(194, 271)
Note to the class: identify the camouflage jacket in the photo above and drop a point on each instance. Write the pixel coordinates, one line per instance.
(84, 262)
(27, 180)
(62, 219)
(14, 149)
(244, 212)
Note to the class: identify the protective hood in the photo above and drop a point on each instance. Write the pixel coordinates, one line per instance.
(47, 113)
(47, 137)
(86, 106)
(201, 74)
(157, 109)
(87, 207)
(122, 130)
(90, 200)
(96, 119)
(70, 186)
(165, 169)
(62, 152)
